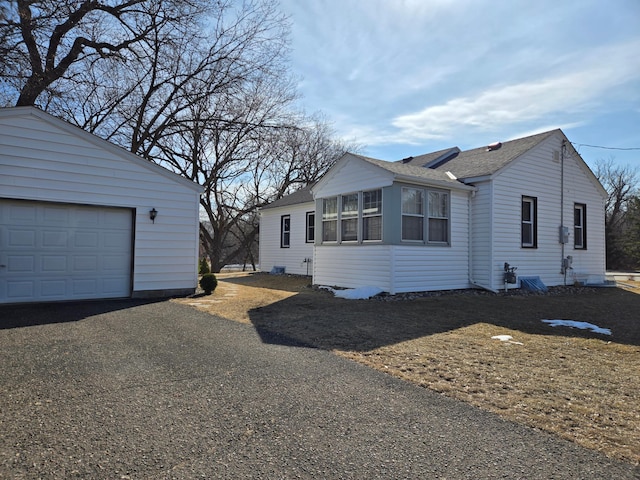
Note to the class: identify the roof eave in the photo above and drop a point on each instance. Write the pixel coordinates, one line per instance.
(434, 183)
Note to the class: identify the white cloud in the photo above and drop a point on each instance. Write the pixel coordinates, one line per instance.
(584, 84)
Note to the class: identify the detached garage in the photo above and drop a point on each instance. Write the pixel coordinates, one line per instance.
(81, 218)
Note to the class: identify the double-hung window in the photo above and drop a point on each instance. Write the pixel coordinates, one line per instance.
(285, 231)
(330, 219)
(529, 222)
(372, 215)
(311, 227)
(412, 214)
(580, 226)
(438, 217)
(349, 218)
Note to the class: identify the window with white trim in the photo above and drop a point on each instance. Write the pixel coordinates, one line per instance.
(349, 218)
(330, 219)
(529, 222)
(311, 227)
(438, 210)
(580, 226)
(412, 214)
(285, 231)
(372, 215)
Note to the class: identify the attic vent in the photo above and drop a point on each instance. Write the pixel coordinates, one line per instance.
(493, 146)
(407, 160)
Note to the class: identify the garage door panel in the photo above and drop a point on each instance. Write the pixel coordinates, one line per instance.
(53, 288)
(86, 240)
(22, 214)
(17, 290)
(53, 264)
(55, 215)
(63, 252)
(20, 264)
(55, 239)
(21, 238)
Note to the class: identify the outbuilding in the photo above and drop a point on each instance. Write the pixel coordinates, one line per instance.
(81, 218)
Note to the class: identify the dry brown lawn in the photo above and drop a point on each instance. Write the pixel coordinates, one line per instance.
(579, 385)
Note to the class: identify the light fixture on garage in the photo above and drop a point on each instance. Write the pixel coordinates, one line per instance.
(153, 213)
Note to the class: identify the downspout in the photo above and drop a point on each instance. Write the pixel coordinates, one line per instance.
(472, 194)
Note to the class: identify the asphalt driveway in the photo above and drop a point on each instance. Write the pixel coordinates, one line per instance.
(126, 389)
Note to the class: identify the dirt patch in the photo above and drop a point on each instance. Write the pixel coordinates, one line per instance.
(580, 385)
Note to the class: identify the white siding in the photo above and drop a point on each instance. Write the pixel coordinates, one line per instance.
(271, 253)
(353, 266)
(44, 159)
(352, 176)
(481, 234)
(429, 267)
(537, 175)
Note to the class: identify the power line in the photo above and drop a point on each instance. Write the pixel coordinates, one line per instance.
(605, 148)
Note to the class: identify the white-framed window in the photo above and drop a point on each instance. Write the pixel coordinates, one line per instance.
(285, 231)
(529, 222)
(417, 201)
(330, 219)
(412, 214)
(438, 209)
(372, 215)
(311, 227)
(349, 218)
(580, 226)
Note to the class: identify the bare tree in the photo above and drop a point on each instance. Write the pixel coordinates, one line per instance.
(200, 87)
(621, 184)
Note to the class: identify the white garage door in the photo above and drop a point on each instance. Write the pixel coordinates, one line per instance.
(51, 251)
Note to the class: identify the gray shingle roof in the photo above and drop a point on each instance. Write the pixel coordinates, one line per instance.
(427, 158)
(482, 161)
(301, 196)
(408, 170)
(477, 162)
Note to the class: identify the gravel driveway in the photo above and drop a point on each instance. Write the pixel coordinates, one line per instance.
(125, 389)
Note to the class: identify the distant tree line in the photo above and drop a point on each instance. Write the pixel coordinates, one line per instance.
(201, 87)
(622, 214)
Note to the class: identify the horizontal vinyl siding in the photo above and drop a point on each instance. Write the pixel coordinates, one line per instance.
(537, 175)
(353, 266)
(419, 268)
(39, 161)
(271, 254)
(353, 176)
(481, 234)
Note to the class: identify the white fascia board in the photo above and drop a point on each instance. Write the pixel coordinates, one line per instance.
(435, 183)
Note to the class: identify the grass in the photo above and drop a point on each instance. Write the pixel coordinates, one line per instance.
(579, 385)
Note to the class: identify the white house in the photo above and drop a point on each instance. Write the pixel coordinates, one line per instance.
(81, 218)
(448, 220)
(282, 246)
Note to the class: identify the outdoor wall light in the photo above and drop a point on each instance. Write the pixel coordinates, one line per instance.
(153, 213)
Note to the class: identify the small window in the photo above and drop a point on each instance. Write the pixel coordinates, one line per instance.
(349, 218)
(285, 231)
(580, 226)
(412, 214)
(438, 217)
(529, 222)
(330, 219)
(372, 215)
(311, 227)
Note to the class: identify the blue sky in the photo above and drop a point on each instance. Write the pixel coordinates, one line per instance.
(405, 77)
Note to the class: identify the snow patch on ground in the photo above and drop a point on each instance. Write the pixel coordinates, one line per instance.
(360, 293)
(580, 325)
(506, 338)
